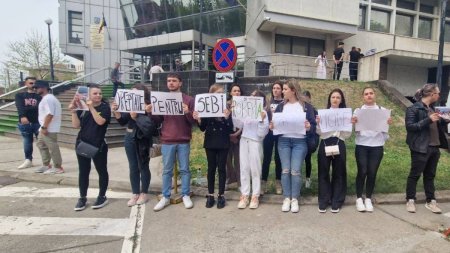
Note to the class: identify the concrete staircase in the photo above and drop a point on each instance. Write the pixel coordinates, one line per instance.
(67, 136)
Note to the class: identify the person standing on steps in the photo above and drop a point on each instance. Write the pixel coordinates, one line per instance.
(115, 78)
(338, 57)
(176, 135)
(233, 162)
(424, 136)
(27, 104)
(50, 121)
(355, 55)
(270, 141)
(93, 125)
(216, 144)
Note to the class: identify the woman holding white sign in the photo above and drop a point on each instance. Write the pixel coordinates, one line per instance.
(332, 152)
(368, 152)
(216, 144)
(292, 145)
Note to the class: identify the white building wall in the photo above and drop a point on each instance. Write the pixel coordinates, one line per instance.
(407, 79)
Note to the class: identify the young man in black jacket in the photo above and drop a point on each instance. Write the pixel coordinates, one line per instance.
(27, 107)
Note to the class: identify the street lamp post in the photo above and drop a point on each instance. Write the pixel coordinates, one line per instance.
(441, 44)
(49, 21)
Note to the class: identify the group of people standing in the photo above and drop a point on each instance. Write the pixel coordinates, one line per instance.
(239, 150)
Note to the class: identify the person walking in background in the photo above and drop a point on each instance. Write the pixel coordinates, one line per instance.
(178, 65)
(216, 144)
(322, 64)
(251, 155)
(50, 121)
(355, 55)
(369, 153)
(176, 135)
(27, 104)
(115, 78)
(270, 141)
(292, 147)
(338, 56)
(233, 167)
(155, 69)
(424, 137)
(333, 191)
(93, 125)
(315, 140)
(138, 141)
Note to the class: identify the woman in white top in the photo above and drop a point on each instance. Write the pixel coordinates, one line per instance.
(322, 64)
(333, 191)
(368, 153)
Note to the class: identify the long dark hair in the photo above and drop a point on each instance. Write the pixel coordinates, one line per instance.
(426, 91)
(342, 104)
(141, 86)
(279, 83)
(231, 88)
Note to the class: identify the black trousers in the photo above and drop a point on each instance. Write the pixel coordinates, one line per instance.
(332, 191)
(353, 71)
(337, 71)
(116, 86)
(308, 165)
(368, 160)
(217, 158)
(425, 163)
(269, 142)
(100, 162)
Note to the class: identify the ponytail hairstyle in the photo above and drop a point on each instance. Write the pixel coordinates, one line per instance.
(96, 86)
(294, 85)
(426, 91)
(342, 104)
(141, 86)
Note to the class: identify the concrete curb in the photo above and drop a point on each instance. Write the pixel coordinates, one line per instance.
(59, 179)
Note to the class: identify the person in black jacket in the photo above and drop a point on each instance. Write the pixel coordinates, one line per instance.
(138, 141)
(93, 125)
(216, 144)
(424, 138)
(27, 107)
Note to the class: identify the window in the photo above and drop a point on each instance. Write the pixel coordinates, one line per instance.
(386, 2)
(75, 27)
(404, 24)
(405, 4)
(379, 21)
(300, 46)
(425, 28)
(427, 9)
(447, 32)
(362, 17)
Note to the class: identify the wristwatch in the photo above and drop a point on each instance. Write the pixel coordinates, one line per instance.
(43, 127)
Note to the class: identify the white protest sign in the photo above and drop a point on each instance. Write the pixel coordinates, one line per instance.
(289, 123)
(372, 120)
(167, 103)
(339, 119)
(130, 101)
(245, 107)
(210, 105)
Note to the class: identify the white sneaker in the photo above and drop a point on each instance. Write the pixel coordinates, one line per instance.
(42, 169)
(26, 164)
(360, 205)
(161, 204)
(54, 171)
(368, 204)
(187, 202)
(286, 205)
(243, 202)
(294, 206)
(308, 183)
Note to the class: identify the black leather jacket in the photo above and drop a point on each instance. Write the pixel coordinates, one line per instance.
(417, 124)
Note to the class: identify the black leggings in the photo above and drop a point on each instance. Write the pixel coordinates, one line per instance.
(368, 160)
(308, 165)
(217, 158)
(84, 165)
(268, 144)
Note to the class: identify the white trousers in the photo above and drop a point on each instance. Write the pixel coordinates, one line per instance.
(250, 155)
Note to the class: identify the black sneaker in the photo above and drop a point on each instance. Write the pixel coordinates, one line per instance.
(210, 201)
(100, 202)
(220, 201)
(81, 204)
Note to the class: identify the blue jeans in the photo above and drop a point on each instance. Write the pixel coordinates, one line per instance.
(292, 154)
(28, 132)
(139, 178)
(169, 151)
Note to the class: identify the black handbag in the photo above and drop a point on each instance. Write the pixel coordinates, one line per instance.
(86, 150)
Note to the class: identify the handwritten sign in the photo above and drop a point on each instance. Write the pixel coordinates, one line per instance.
(289, 123)
(167, 103)
(81, 97)
(244, 107)
(210, 104)
(339, 119)
(130, 101)
(372, 120)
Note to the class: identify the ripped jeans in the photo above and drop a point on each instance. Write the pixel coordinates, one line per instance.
(292, 154)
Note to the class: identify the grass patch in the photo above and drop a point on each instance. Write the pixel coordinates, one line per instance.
(395, 166)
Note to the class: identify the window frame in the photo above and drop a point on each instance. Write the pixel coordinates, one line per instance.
(70, 24)
(291, 44)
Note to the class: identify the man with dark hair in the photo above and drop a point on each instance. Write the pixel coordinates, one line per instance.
(115, 78)
(338, 56)
(355, 55)
(27, 107)
(176, 134)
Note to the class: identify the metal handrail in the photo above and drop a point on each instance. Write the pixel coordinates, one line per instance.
(6, 105)
(13, 91)
(79, 78)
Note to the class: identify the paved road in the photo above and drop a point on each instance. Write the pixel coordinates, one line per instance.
(40, 218)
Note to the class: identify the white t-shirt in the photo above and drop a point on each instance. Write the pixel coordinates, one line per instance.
(293, 108)
(50, 105)
(155, 69)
